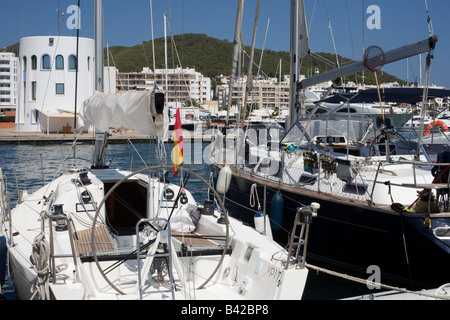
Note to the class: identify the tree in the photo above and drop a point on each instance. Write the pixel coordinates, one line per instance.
(191, 103)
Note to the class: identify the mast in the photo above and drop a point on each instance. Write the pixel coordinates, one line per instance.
(101, 139)
(299, 49)
(76, 85)
(153, 42)
(165, 57)
(99, 59)
(235, 60)
(249, 87)
(77, 71)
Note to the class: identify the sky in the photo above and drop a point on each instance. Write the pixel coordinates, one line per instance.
(128, 23)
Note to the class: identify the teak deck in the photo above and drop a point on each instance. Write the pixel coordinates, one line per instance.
(103, 241)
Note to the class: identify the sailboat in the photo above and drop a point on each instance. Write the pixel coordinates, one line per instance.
(87, 236)
(101, 233)
(388, 210)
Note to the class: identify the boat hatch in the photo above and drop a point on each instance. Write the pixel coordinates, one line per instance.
(126, 206)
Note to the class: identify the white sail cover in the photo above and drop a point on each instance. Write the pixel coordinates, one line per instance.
(129, 110)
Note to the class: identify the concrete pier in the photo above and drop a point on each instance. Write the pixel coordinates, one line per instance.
(10, 136)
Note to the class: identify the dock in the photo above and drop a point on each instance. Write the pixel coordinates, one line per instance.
(8, 136)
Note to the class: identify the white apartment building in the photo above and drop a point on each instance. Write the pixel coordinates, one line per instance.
(183, 84)
(48, 69)
(9, 72)
(266, 93)
(200, 87)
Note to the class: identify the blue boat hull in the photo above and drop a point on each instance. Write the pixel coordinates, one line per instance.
(351, 238)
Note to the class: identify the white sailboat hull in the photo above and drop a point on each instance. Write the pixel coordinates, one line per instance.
(253, 267)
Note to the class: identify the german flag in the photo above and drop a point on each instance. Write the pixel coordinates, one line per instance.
(177, 144)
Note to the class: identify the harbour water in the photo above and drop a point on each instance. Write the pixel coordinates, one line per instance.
(28, 167)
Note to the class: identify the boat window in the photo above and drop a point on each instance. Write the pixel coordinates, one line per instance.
(335, 140)
(307, 179)
(354, 188)
(345, 110)
(248, 253)
(318, 111)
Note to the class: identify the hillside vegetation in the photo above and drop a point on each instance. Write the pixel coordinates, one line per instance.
(212, 57)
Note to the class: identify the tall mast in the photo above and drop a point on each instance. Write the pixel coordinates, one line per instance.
(299, 48)
(99, 59)
(249, 87)
(235, 60)
(165, 59)
(101, 139)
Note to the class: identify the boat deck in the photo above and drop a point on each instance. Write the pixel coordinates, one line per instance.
(104, 244)
(103, 240)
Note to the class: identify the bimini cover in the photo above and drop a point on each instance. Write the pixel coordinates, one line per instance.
(130, 110)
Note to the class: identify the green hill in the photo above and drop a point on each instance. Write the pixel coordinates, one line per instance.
(212, 57)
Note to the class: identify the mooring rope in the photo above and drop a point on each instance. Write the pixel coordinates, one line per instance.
(375, 284)
(254, 196)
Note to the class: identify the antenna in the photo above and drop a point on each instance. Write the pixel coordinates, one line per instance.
(59, 13)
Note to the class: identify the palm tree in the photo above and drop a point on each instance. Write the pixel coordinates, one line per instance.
(191, 103)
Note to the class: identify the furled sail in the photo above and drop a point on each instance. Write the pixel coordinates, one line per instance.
(302, 31)
(299, 48)
(143, 112)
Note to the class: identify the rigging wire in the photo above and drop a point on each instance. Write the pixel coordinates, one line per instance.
(351, 36)
(265, 37)
(430, 23)
(153, 40)
(331, 32)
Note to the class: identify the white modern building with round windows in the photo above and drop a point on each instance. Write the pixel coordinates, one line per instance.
(47, 85)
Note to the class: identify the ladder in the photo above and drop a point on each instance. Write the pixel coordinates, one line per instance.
(303, 218)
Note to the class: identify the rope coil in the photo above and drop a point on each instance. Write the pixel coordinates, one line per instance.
(40, 256)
